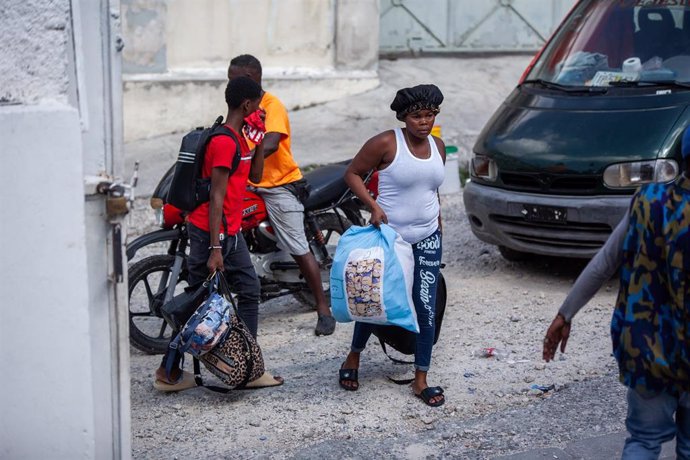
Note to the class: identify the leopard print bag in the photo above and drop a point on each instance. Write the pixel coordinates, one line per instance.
(238, 359)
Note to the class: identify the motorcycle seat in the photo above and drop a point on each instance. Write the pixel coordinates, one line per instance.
(327, 185)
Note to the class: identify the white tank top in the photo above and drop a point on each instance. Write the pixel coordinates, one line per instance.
(407, 191)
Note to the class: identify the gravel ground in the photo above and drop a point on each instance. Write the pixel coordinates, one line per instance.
(490, 410)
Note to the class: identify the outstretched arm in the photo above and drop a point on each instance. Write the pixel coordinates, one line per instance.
(596, 273)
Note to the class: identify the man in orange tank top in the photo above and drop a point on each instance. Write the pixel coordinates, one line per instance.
(278, 186)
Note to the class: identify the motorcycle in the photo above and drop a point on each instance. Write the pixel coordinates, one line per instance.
(330, 209)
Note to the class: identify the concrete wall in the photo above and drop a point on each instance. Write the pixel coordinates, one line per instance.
(144, 23)
(177, 53)
(287, 33)
(34, 49)
(357, 32)
(62, 395)
(44, 323)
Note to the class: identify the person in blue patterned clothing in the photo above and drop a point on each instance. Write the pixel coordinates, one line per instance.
(650, 328)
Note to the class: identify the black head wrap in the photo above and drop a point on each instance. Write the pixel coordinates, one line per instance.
(420, 97)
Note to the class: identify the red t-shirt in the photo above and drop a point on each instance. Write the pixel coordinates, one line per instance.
(221, 153)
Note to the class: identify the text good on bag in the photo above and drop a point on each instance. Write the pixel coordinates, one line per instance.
(371, 278)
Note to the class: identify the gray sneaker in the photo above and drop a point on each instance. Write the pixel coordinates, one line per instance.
(325, 325)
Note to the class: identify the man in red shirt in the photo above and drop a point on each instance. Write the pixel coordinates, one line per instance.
(216, 242)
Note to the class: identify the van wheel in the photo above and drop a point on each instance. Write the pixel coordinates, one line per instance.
(512, 255)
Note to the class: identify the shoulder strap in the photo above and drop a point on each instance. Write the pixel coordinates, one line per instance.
(173, 351)
(223, 130)
(206, 136)
(395, 360)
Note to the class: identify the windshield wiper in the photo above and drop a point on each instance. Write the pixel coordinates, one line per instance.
(566, 88)
(643, 83)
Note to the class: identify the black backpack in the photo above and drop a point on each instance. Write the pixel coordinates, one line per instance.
(187, 188)
(403, 340)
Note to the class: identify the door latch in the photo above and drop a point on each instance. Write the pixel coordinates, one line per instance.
(119, 198)
(119, 194)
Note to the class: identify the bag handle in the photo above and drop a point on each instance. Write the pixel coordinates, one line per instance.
(396, 361)
(212, 282)
(223, 289)
(215, 284)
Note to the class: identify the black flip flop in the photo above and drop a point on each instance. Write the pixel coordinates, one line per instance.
(348, 375)
(430, 392)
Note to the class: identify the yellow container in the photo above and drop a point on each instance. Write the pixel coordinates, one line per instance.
(436, 131)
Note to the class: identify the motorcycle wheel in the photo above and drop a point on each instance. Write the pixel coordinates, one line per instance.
(148, 281)
(331, 228)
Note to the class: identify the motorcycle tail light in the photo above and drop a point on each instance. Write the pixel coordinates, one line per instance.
(171, 216)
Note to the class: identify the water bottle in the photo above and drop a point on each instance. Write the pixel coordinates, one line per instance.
(498, 353)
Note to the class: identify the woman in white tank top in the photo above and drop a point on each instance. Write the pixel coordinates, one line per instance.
(410, 164)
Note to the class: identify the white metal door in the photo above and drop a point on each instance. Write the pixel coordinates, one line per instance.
(97, 70)
(434, 26)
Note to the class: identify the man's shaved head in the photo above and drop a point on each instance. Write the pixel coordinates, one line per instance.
(245, 65)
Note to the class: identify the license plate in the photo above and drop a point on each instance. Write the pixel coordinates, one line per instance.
(535, 213)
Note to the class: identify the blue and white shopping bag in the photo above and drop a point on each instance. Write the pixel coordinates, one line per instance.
(371, 278)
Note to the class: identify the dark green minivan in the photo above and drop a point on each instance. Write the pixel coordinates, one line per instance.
(599, 111)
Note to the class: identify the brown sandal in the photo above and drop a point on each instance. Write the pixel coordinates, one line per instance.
(184, 382)
(265, 381)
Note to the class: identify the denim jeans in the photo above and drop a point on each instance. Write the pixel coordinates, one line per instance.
(651, 422)
(427, 263)
(239, 272)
